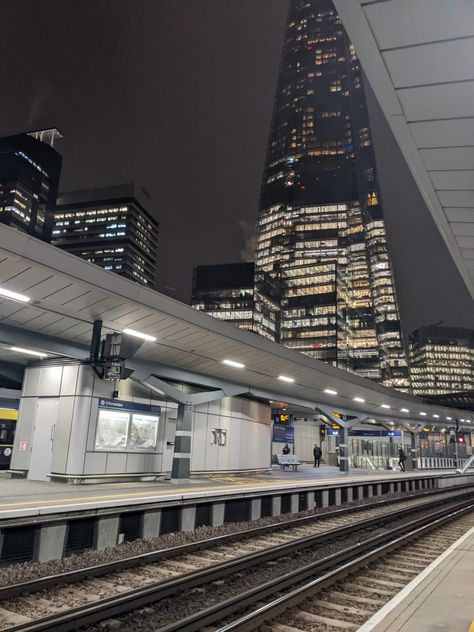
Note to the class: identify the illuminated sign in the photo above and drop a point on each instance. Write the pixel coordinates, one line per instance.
(282, 419)
(342, 416)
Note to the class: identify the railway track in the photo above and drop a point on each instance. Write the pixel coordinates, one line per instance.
(108, 590)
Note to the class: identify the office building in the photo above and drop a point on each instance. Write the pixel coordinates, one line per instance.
(320, 228)
(110, 227)
(29, 177)
(225, 292)
(442, 361)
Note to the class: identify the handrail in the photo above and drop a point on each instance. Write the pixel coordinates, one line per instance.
(466, 466)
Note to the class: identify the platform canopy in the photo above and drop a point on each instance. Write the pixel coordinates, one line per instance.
(68, 294)
(418, 58)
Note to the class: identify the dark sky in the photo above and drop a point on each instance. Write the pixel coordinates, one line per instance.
(176, 95)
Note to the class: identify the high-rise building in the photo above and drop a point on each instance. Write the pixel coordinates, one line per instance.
(225, 292)
(442, 360)
(320, 229)
(29, 177)
(109, 227)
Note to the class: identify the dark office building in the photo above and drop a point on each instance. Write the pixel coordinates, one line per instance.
(29, 177)
(225, 292)
(442, 361)
(321, 231)
(111, 228)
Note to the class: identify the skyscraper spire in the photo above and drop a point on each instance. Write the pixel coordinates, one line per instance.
(321, 232)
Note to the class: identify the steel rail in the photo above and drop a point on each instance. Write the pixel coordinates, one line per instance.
(15, 590)
(249, 622)
(139, 597)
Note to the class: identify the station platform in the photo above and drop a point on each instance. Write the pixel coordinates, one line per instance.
(440, 599)
(24, 498)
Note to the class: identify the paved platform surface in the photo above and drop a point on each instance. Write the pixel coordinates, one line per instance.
(20, 497)
(440, 599)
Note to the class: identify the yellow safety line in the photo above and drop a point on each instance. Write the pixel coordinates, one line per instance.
(471, 627)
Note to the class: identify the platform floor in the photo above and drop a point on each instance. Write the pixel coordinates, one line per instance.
(20, 497)
(440, 599)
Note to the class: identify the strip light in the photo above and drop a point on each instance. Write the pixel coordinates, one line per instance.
(29, 352)
(237, 365)
(330, 391)
(285, 378)
(138, 334)
(14, 295)
(359, 399)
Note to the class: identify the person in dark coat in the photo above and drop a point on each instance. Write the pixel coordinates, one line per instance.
(286, 449)
(317, 453)
(401, 459)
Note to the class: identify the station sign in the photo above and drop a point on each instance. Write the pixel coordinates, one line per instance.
(283, 419)
(343, 416)
(283, 434)
(137, 407)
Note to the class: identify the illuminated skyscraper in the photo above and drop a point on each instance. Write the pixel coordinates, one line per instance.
(321, 232)
(29, 178)
(442, 360)
(109, 227)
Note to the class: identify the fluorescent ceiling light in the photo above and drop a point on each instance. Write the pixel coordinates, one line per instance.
(138, 334)
(237, 365)
(422, 413)
(404, 410)
(436, 416)
(384, 406)
(330, 391)
(449, 418)
(285, 378)
(14, 295)
(29, 352)
(359, 399)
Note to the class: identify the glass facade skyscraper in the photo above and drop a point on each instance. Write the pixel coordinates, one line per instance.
(111, 228)
(29, 177)
(320, 229)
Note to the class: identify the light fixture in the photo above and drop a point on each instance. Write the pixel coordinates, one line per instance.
(29, 352)
(436, 416)
(138, 334)
(423, 414)
(237, 365)
(384, 406)
(330, 391)
(14, 295)
(285, 378)
(359, 399)
(449, 418)
(404, 410)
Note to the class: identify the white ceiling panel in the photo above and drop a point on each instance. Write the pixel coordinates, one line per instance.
(432, 63)
(465, 242)
(408, 22)
(448, 158)
(457, 198)
(460, 214)
(10, 268)
(453, 180)
(444, 101)
(444, 133)
(463, 228)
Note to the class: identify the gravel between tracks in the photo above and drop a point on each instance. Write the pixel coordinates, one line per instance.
(171, 609)
(26, 571)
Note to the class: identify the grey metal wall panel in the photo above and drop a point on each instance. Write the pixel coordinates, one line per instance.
(24, 432)
(78, 435)
(116, 462)
(62, 435)
(49, 383)
(94, 463)
(69, 380)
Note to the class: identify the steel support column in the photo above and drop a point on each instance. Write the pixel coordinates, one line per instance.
(182, 443)
(344, 450)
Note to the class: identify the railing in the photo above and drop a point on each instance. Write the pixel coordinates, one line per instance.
(466, 465)
(439, 463)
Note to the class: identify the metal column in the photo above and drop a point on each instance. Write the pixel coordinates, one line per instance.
(182, 443)
(344, 450)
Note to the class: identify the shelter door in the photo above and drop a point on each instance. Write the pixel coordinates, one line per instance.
(43, 439)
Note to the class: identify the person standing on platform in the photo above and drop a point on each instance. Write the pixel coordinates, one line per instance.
(317, 453)
(401, 459)
(286, 449)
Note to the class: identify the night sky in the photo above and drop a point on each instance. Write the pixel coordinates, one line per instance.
(176, 95)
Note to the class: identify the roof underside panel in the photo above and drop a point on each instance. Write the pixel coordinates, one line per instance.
(417, 56)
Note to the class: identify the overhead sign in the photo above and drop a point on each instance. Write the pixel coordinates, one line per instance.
(282, 434)
(343, 416)
(117, 404)
(282, 419)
